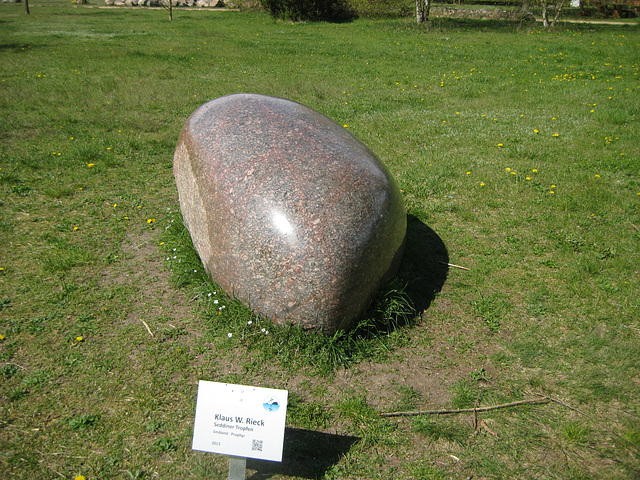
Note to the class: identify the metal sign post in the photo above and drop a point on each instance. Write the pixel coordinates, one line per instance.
(237, 468)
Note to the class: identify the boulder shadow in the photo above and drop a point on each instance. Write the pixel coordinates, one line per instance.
(424, 267)
(307, 454)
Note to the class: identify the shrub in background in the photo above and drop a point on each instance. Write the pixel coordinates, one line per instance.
(327, 10)
(383, 8)
(244, 5)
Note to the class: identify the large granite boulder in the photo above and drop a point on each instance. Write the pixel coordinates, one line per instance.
(289, 212)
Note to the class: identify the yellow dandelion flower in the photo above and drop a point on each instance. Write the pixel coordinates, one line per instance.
(535, 170)
(468, 173)
(75, 228)
(535, 130)
(501, 144)
(507, 169)
(1, 337)
(482, 185)
(597, 176)
(91, 165)
(555, 135)
(528, 178)
(79, 339)
(79, 477)
(151, 220)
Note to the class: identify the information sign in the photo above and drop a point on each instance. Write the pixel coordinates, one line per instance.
(240, 420)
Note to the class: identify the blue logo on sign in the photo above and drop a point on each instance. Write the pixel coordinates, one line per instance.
(271, 404)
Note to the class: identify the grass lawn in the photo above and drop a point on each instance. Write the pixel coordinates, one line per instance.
(518, 154)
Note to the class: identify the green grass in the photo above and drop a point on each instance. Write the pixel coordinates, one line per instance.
(517, 154)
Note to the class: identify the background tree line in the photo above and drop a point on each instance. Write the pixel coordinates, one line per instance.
(345, 10)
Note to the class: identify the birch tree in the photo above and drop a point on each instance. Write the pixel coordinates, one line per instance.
(422, 10)
(545, 12)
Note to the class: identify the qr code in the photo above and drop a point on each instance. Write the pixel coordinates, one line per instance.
(256, 445)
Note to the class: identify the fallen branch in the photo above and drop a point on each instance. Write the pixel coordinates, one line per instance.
(482, 425)
(533, 401)
(555, 400)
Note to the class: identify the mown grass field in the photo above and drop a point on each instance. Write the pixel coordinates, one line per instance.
(518, 155)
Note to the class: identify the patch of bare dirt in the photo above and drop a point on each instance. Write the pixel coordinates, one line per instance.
(141, 271)
(430, 369)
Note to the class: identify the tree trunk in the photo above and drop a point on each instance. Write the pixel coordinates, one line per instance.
(555, 19)
(171, 10)
(26, 6)
(545, 15)
(422, 10)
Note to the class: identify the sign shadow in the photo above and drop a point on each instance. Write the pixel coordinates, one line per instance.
(307, 454)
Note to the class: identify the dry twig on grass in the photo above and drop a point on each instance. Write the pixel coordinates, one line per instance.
(147, 327)
(454, 266)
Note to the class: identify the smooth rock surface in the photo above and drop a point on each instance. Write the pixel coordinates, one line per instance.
(289, 212)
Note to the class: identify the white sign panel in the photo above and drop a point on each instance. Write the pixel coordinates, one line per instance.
(239, 420)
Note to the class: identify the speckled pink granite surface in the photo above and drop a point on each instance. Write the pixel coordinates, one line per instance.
(289, 212)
